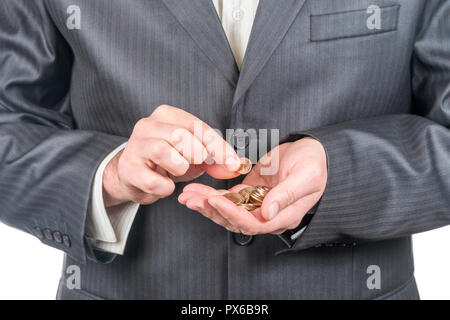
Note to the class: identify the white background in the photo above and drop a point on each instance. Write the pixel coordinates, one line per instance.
(31, 270)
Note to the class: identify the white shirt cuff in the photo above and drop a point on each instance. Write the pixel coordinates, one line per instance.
(108, 228)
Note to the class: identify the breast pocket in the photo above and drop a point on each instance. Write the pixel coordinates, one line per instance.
(355, 23)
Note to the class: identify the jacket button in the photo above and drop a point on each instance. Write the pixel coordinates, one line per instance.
(38, 233)
(48, 234)
(241, 139)
(57, 236)
(242, 239)
(66, 240)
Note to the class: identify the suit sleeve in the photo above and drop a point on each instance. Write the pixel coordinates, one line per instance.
(47, 164)
(389, 176)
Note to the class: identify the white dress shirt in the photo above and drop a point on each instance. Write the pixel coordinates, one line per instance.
(109, 228)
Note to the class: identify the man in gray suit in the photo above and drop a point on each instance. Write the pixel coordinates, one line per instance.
(99, 101)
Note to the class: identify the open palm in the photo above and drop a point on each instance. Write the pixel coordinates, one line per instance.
(295, 172)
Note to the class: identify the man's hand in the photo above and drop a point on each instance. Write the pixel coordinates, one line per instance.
(297, 186)
(170, 146)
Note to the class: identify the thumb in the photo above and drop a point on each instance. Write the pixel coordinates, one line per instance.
(291, 189)
(219, 171)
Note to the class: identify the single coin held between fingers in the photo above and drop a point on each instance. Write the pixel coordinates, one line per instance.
(246, 166)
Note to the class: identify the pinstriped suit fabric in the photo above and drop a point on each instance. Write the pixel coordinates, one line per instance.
(378, 102)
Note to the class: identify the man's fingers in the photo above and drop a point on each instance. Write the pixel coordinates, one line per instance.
(237, 216)
(216, 146)
(290, 217)
(205, 190)
(164, 155)
(199, 202)
(210, 202)
(201, 205)
(279, 231)
(181, 139)
(219, 171)
(220, 150)
(138, 196)
(194, 172)
(296, 186)
(151, 182)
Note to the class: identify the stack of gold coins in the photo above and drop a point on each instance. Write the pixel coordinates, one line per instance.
(248, 198)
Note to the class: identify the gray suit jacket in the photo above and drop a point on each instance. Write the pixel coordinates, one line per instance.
(378, 99)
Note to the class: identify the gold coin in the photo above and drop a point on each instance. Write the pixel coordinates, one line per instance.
(234, 197)
(246, 166)
(249, 206)
(246, 193)
(257, 196)
(255, 199)
(263, 189)
(249, 198)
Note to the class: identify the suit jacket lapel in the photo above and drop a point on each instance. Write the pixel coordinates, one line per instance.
(200, 20)
(272, 21)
